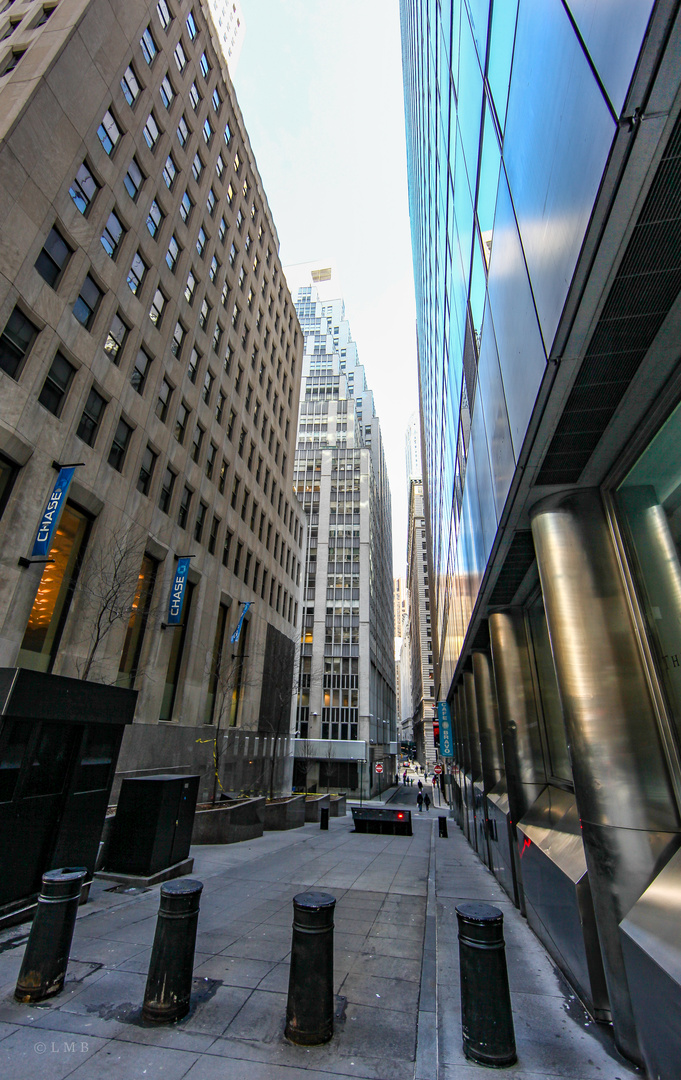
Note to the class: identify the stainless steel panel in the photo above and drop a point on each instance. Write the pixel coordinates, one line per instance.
(557, 894)
(521, 740)
(613, 34)
(480, 809)
(501, 841)
(622, 787)
(488, 721)
(651, 944)
(472, 724)
(463, 718)
(555, 161)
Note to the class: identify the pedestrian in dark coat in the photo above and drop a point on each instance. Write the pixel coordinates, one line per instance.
(419, 800)
(426, 799)
(420, 786)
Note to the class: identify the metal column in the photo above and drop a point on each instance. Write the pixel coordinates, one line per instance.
(624, 796)
(478, 838)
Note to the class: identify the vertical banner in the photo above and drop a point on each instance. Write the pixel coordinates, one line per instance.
(446, 736)
(55, 505)
(177, 591)
(235, 636)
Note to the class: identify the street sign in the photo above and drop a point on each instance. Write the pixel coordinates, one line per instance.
(437, 769)
(379, 767)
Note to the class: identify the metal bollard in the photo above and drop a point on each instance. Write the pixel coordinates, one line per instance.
(324, 817)
(169, 983)
(310, 1006)
(47, 953)
(486, 1017)
(442, 826)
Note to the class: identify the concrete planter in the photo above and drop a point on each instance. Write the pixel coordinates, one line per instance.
(285, 813)
(338, 807)
(314, 804)
(229, 823)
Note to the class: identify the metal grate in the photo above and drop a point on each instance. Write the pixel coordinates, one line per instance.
(518, 561)
(645, 287)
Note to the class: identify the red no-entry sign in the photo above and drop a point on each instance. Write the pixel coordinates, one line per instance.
(379, 767)
(437, 769)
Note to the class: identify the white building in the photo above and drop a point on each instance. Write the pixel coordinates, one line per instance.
(229, 24)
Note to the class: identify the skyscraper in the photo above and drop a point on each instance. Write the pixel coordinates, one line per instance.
(346, 712)
(544, 141)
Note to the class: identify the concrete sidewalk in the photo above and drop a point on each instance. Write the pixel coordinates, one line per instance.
(396, 972)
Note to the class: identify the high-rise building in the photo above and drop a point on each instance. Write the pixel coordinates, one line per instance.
(228, 20)
(346, 714)
(421, 630)
(544, 142)
(148, 337)
(412, 448)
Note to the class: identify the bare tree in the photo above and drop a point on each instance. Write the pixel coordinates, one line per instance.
(227, 679)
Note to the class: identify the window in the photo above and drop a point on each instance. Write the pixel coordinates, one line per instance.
(119, 445)
(227, 545)
(208, 381)
(213, 538)
(237, 557)
(230, 195)
(173, 253)
(191, 25)
(133, 180)
(219, 406)
(233, 252)
(201, 241)
(207, 132)
(210, 202)
(165, 18)
(109, 132)
(83, 189)
(190, 288)
(151, 131)
(195, 449)
(158, 305)
(112, 236)
(154, 219)
(149, 46)
(204, 314)
(235, 492)
(194, 361)
(138, 376)
(216, 99)
(115, 339)
(194, 97)
(185, 504)
(179, 334)
(180, 57)
(130, 86)
(53, 257)
(56, 385)
(230, 424)
(181, 421)
(223, 477)
(211, 454)
(239, 220)
(219, 166)
(89, 299)
(183, 131)
(137, 624)
(167, 92)
(169, 172)
(186, 207)
(204, 65)
(163, 401)
(228, 134)
(147, 466)
(197, 167)
(16, 341)
(237, 162)
(217, 337)
(200, 522)
(167, 485)
(235, 315)
(91, 416)
(214, 268)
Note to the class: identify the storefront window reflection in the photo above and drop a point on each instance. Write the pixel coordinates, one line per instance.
(649, 501)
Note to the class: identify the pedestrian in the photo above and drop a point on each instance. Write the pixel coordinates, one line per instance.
(419, 801)
(404, 778)
(426, 799)
(420, 787)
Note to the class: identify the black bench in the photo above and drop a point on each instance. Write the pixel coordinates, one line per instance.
(382, 820)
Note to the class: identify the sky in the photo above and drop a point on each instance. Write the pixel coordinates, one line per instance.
(319, 83)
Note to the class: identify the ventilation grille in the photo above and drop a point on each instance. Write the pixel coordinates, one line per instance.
(518, 561)
(647, 284)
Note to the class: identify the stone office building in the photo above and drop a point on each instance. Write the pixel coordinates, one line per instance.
(147, 336)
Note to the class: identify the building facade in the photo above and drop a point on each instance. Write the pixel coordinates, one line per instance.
(421, 631)
(149, 339)
(544, 141)
(347, 710)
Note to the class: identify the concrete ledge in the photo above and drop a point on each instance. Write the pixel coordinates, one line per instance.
(139, 882)
(314, 805)
(230, 822)
(285, 813)
(338, 806)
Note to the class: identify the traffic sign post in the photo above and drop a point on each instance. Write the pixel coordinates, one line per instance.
(379, 769)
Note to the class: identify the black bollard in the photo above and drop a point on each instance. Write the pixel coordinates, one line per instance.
(310, 1006)
(169, 983)
(324, 817)
(47, 953)
(442, 826)
(486, 1017)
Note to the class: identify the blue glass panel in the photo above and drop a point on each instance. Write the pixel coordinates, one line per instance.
(488, 516)
(501, 55)
(491, 391)
(521, 353)
(470, 99)
(478, 287)
(558, 136)
(489, 175)
(613, 34)
(463, 207)
(456, 34)
(479, 13)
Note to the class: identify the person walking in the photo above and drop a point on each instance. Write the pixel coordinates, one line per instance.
(419, 800)
(426, 799)
(420, 787)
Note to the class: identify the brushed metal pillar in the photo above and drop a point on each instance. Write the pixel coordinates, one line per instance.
(523, 758)
(479, 834)
(622, 786)
(466, 778)
(488, 722)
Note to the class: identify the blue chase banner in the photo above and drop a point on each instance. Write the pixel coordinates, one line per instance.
(446, 735)
(235, 636)
(177, 591)
(55, 505)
